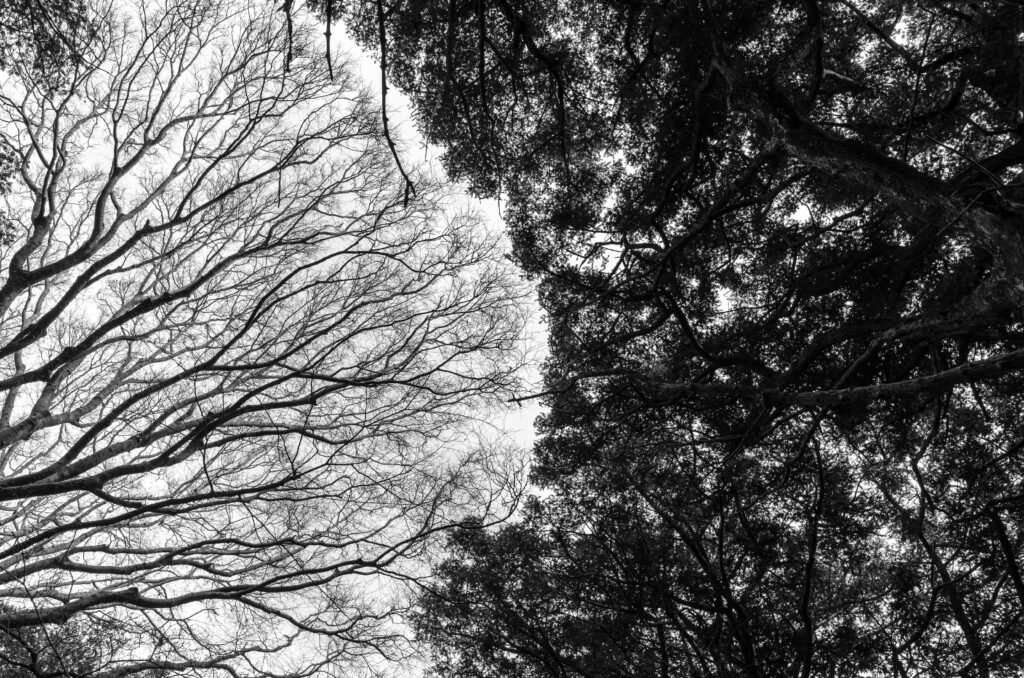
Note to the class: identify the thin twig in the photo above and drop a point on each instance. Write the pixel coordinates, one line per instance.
(410, 188)
(329, 12)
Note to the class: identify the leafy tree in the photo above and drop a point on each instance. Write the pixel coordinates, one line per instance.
(45, 36)
(779, 247)
(76, 649)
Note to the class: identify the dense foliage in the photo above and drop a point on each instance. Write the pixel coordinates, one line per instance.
(45, 36)
(78, 648)
(779, 247)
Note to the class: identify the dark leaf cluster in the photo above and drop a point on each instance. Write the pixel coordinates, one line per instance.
(779, 248)
(46, 36)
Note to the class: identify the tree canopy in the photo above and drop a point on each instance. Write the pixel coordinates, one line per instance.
(779, 249)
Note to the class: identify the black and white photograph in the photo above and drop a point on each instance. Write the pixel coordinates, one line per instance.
(511, 338)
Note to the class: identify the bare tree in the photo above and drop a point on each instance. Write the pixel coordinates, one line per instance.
(239, 372)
